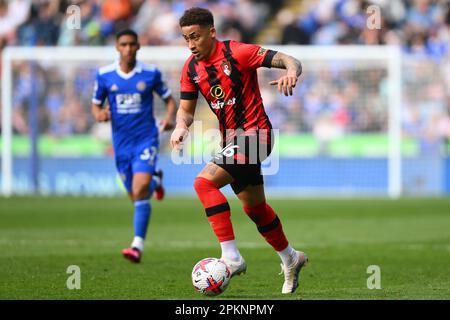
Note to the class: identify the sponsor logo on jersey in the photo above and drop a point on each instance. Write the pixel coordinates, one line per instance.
(226, 67)
(141, 85)
(196, 79)
(221, 104)
(114, 87)
(217, 92)
(128, 103)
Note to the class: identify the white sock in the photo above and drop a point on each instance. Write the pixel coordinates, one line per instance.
(287, 255)
(138, 243)
(230, 250)
(157, 181)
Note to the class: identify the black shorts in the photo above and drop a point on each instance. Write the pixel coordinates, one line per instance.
(241, 157)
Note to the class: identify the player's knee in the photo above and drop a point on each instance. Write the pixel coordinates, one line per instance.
(252, 210)
(140, 192)
(202, 185)
(199, 185)
(260, 214)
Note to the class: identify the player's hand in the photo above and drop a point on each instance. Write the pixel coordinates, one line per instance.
(103, 115)
(285, 84)
(179, 135)
(166, 124)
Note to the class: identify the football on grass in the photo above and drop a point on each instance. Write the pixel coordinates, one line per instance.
(210, 276)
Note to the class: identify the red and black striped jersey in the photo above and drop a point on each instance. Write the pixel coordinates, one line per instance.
(229, 83)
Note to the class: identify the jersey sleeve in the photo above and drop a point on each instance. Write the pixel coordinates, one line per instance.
(189, 90)
(161, 87)
(252, 56)
(100, 91)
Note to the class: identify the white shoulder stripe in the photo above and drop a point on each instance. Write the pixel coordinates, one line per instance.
(109, 68)
(96, 101)
(148, 67)
(166, 94)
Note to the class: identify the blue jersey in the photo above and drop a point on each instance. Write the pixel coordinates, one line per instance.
(130, 96)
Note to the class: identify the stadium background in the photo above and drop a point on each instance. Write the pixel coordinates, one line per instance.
(333, 130)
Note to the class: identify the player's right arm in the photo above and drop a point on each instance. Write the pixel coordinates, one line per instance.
(100, 93)
(100, 114)
(184, 119)
(186, 111)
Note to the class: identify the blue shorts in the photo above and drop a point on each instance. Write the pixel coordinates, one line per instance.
(141, 158)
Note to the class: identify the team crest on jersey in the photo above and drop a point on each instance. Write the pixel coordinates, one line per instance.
(226, 67)
(141, 86)
(114, 87)
(261, 51)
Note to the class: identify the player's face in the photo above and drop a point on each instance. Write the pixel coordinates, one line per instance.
(127, 46)
(200, 40)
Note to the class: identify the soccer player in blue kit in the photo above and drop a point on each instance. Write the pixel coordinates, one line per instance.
(129, 85)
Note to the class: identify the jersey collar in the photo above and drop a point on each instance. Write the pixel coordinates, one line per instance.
(137, 69)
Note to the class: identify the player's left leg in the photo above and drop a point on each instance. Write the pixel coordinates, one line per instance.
(270, 227)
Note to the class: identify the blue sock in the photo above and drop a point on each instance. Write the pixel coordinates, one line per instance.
(142, 213)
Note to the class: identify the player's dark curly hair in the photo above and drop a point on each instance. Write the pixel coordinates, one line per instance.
(126, 32)
(202, 17)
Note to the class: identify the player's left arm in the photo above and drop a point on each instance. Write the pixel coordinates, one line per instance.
(164, 92)
(293, 67)
(168, 122)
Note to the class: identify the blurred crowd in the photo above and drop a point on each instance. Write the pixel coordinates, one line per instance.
(331, 101)
(48, 22)
(421, 27)
(64, 99)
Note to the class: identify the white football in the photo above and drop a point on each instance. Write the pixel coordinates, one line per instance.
(210, 276)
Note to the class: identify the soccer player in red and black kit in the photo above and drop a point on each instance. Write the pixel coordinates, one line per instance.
(225, 74)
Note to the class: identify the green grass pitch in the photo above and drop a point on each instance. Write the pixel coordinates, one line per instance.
(40, 237)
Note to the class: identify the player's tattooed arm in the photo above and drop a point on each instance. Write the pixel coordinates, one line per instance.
(293, 67)
(284, 61)
(185, 117)
(185, 113)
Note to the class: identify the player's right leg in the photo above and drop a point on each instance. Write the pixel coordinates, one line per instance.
(157, 185)
(207, 185)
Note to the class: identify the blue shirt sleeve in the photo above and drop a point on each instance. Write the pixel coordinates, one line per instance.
(160, 86)
(100, 91)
